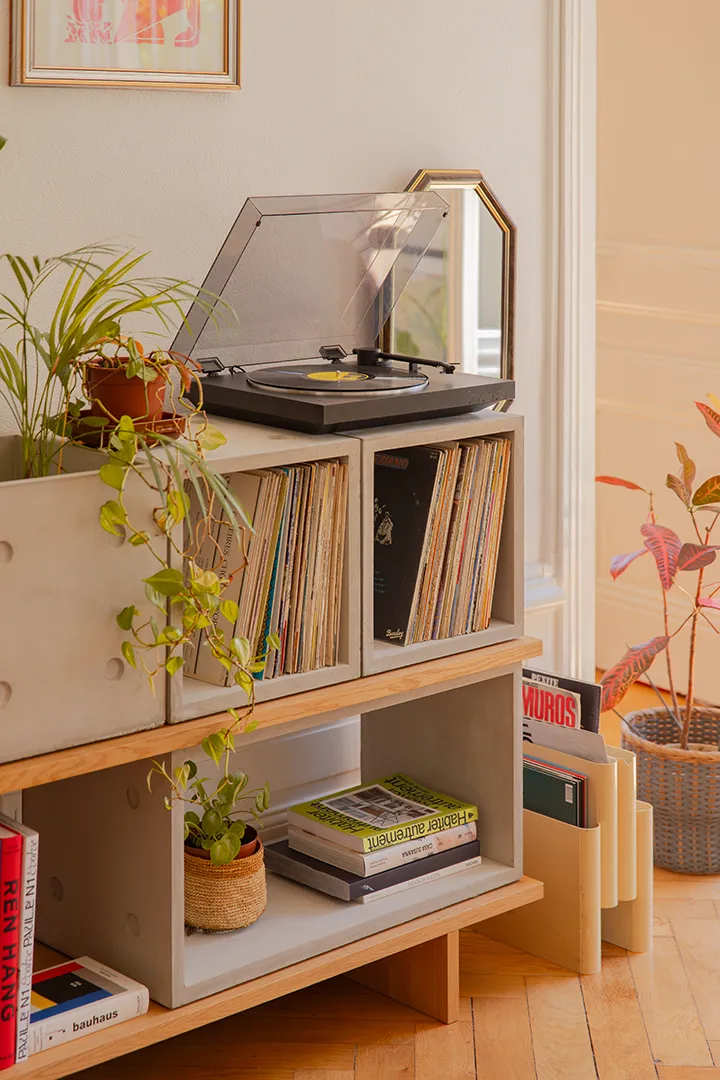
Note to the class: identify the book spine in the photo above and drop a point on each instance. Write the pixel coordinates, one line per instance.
(88, 1019)
(27, 944)
(435, 875)
(10, 894)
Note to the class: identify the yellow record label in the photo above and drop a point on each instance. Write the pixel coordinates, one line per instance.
(337, 376)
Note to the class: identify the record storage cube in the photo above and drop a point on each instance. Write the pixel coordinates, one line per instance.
(254, 446)
(507, 617)
(63, 580)
(124, 905)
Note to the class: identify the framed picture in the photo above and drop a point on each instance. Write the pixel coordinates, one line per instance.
(175, 44)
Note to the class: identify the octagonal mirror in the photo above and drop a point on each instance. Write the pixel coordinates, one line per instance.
(458, 306)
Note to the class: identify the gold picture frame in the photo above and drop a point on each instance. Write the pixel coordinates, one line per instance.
(147, 44)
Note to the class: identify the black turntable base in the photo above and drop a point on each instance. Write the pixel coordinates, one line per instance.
(341, 395)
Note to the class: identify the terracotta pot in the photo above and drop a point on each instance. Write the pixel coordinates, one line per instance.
(248, 847)
(110, 391)
(220, 898)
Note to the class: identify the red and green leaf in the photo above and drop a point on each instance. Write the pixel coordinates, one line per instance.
(696, 556)
(676, 485)
(620, 563)
(712, 418)
(709, 492)
(636, 661)
(618, 482)
(688, 465)
(664, 545)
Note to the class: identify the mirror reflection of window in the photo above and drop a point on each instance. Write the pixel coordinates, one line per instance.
(458, 305)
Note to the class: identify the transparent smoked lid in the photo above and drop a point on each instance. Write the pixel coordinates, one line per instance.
(311, 270)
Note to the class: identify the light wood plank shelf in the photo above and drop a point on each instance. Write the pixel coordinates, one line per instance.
(160, 1023)
(314, 706)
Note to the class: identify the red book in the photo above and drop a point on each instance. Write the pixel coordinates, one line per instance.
(10, 917)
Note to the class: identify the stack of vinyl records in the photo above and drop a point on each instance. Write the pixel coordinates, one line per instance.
(377, 839)
(286, 574)
(438, 522)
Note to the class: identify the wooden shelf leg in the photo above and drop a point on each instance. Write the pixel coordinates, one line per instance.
(426, 977)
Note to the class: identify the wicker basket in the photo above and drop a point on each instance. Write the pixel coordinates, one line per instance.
(224, 897)
(683, 787)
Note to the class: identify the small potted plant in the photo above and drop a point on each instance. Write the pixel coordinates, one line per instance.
(225, 886)
(677, 744)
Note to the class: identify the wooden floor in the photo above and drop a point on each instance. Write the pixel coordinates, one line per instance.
(654, 1017)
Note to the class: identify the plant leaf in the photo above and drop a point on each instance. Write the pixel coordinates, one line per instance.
(211, 438)
(689, 470)
(709, 601)
(618, 680)
(125, 618)
(129, 653)
(709, 492)
(112, 475)
(621, 562)
(618, 482)
(174, 664)
(664, 544)
(677, 485)
(695, 556)
(712, 418)
(167, 582)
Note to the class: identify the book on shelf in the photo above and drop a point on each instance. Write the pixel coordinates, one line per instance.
(79, 998)
(287, 572)
(281, 859)
(370, 817)
(555, 791)
(11, 880)
(438, 516)
(367, 864)
(29, 842)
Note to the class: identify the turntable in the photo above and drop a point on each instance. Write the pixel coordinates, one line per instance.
(305, 286)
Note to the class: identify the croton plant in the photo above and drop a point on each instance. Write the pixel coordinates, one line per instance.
(676, 562)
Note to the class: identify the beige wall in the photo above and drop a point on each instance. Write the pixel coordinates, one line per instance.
(658, 287)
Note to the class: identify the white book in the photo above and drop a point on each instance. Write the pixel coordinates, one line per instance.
(367, 864)
(413, 883)
(116, 999)
(28, 898)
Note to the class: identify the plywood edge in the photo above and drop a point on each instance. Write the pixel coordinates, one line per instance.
(342, 698)
(160, 1023)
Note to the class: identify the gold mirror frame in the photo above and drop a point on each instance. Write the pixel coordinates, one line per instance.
(472, 179)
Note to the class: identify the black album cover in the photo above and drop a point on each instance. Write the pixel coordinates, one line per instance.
(404, 485)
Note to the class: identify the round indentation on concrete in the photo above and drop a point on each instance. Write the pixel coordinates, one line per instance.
(5, 694)
(132, 924)
(133, 798)
(56, 890)
(6, 553)
(113, 541)
(115, 668)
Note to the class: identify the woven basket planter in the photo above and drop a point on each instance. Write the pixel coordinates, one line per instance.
(224, 897)
(683, 787)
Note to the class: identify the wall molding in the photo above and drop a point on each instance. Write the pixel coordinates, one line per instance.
(574, 217)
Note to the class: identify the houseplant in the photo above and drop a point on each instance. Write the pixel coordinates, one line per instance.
(676, 744)
(225, 886)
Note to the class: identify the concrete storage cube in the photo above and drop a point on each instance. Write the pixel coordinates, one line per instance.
(254, 446)
(63, 580)
(508, 603)
(124, 905)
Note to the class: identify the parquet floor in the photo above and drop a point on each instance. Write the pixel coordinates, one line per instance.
(654, 1017)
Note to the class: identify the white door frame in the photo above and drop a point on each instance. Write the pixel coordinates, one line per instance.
(560, 593)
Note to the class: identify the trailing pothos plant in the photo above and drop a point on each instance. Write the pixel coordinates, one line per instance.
(676, 563)
(213, 821)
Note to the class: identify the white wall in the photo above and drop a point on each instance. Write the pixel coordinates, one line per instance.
(338, 96)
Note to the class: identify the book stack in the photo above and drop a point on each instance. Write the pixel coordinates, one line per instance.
(18, 889)
(438, 521)
(286, 573)
(374, 840)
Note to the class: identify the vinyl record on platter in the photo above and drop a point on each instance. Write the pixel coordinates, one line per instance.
(336, 378)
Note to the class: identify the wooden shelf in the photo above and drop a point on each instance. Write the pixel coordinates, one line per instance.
(317, 706)
(161, 1023)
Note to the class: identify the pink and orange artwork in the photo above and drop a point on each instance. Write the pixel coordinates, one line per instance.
(178, 43)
